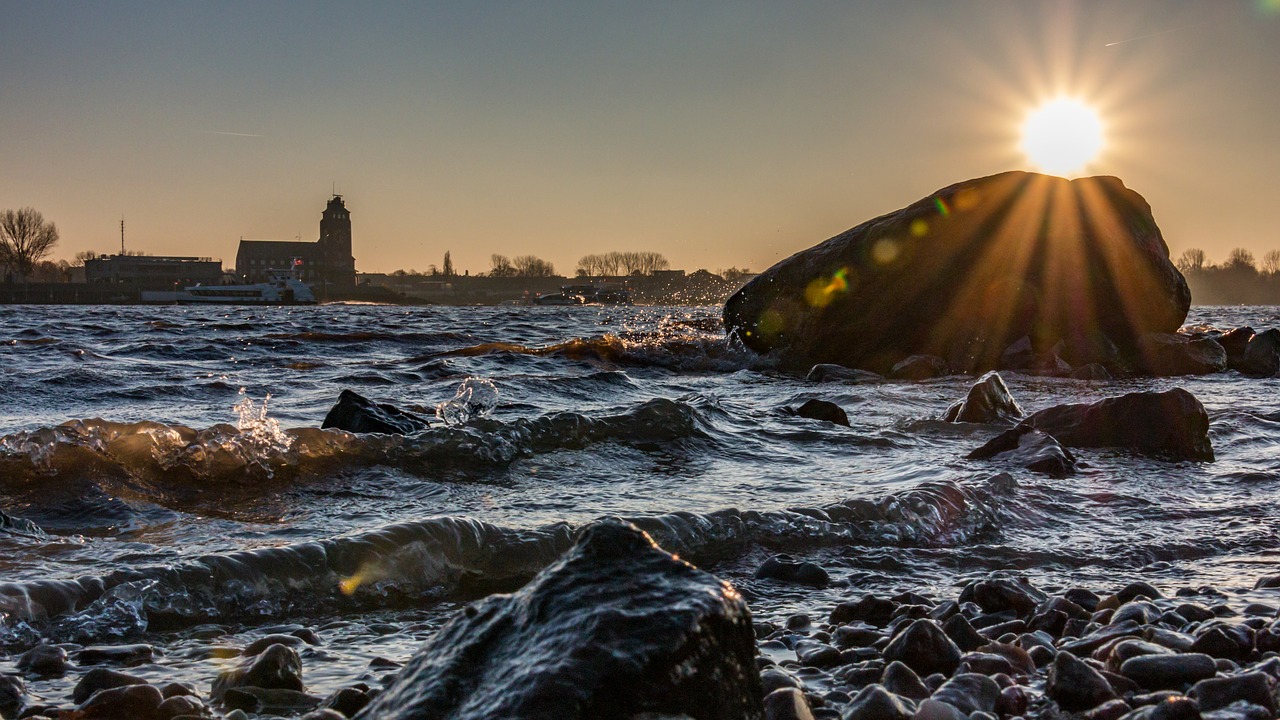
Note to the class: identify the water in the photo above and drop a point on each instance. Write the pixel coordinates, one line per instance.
(164, 478)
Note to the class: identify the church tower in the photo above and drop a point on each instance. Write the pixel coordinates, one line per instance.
(337, 265)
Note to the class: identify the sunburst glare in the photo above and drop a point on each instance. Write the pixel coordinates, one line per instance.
(1062, 136)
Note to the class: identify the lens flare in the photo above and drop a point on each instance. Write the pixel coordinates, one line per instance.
(1062, 136)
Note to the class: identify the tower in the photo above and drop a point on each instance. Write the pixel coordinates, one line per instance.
(337, 265)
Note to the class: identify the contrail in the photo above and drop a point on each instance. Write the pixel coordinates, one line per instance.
(1142, 37)
(233, 134)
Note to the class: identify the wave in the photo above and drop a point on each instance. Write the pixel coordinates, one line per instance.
(683, 351)
(408, 563)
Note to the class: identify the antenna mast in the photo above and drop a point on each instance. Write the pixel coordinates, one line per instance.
(122, 235)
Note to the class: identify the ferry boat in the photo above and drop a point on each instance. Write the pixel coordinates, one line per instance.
(283, 287)
(584, 295)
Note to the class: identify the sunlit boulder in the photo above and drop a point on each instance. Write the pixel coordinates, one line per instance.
(965, 272)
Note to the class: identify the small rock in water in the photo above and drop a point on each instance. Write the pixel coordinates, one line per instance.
(1035, 450)
(925, 648)
(902, 680)
(820, 410)
(920, 367)
(1261, 357)
(874, 702)
(44, 661)
(276, 667)
(969, 693)
(1076, 686)
(126, 655)
(358, 414)
(784, 569)
(12, 690)
(1171, 423)
(182, 705)
(869, 609)
(1234, 342)
(348, 700)
(137, 702)
(787, 704)
(828, 372)
(988, 401)
(102, 679)
(1166, 354)
(267, 641)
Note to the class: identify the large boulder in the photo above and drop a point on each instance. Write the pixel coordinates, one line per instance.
(965, 272)
(1179, 354)
(615, 628)
(358, 414)
(1172, 424)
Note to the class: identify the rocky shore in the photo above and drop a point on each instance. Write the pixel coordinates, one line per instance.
(619, 628)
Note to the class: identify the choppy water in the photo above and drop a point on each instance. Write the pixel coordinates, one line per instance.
(151, 488)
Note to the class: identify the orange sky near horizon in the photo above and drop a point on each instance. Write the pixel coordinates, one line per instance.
(723, 134)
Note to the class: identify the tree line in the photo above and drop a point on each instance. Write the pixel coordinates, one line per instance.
(1239, 260)
(612, 264)
(1238, 280)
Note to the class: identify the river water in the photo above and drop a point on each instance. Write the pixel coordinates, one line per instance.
(164, 478)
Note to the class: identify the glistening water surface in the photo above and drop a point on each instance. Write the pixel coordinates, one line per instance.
(164, 478)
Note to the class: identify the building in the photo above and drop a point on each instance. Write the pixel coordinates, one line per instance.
(153, 272)
(327, 264)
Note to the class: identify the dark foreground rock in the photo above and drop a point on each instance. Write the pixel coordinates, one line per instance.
(1171, 424)
(615, 628)
(1261, 356)
(988, 401)
(966, 272)
(358, 414)
(1179, 354)
(824, 410)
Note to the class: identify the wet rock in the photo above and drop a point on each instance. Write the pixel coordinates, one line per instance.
(1227, 642)
(1175, 707)
(988, 401)
(330, 714)
(1255, 688)
(931, 709)
(969, 693)
(827, 372)
(787, 704)
(1091, 371)
(1166, 354)
(358, 414)
(262, 643)
(1030, 448)
(1076, 686)
(181, 705)
(995, 595)
(1140, 612)
(1168, 672)
(102, 679)
(777, 678)
(276, 667)
(868, 609)
(348, 700)
(921, 282)
(137, 702)
(1137, 589)
(178, 689)
(1261, 357)
(614, 627)
(1013, 701)
(1172, 424)
(823, 410)
(12, 691)
(127, 655)
(1109, 710)
(919, 367)
(1234, 342)
(925, 648)
(817, 654)
(784, 569)
(1116, 654)
(902, 680)
(269, 701)
(44, 661)
(874, 702)
(963, 634)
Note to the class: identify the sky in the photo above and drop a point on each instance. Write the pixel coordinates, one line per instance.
(719, 134)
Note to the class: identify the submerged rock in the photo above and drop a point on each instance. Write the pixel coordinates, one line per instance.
(358, 414)
(1172, 424)
(1030, 448)
(827, 372)
(919, 367)
(824, 410)
(988, 401)
(784, 569)
(615, 628)
(1178, 354)
(967, 271)
(278, 667)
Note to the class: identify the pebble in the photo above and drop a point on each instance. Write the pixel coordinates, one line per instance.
(137, 702)
(1076, 686)
(12, 690)
(127, 655)
(102, 679)
(44, 661)
(1168, 672)
(874, 702)
(902, 680)
(925, 648)
(787, 704)
(1255, 688)
(783, 569)
(276, 667)
(969, 693)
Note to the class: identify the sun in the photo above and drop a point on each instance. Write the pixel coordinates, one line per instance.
(1062, 136)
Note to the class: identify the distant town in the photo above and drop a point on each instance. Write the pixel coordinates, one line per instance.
(328, 266)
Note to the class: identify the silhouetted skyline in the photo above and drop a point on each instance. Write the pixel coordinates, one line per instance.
(717, 134)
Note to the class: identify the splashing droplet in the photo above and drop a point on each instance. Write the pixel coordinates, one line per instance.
(476, 397)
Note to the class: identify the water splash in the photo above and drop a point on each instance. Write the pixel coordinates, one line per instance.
(476, 398)
(257, 430)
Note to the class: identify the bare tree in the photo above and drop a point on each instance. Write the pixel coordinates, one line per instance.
(1240, 259)
(650, 262)
(591, 265)
(501, 266)
(610, 263)
(1191, 260)
(530, 266)
(83, 256)
(1271, 262)
(25, 238)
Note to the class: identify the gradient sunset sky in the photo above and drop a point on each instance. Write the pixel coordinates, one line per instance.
(720, 134)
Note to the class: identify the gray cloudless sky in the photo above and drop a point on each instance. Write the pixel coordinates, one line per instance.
(720, 134)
